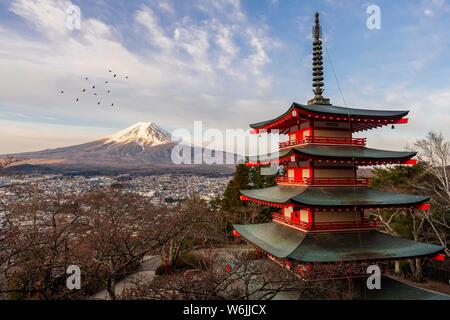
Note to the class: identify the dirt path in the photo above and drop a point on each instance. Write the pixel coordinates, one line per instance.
(146, 271)
(436, 287)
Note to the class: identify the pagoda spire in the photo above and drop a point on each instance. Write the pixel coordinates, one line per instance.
(318, 65)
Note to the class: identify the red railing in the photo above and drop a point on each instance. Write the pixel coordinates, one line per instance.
(325, 140)
(289, 180)
(338, 181)
(282, 218)
(366, 224)
(324, 181)
(320, 226)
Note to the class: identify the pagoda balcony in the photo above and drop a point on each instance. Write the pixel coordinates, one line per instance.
(360, 142)
(283, 180)
(325, 226)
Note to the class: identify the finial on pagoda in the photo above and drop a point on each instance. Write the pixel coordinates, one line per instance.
(318, 65)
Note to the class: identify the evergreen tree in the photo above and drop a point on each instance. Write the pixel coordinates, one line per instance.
(399, 179)
(245, 178)
(231, 196)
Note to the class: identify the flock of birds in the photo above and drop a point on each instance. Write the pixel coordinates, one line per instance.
(95, 89)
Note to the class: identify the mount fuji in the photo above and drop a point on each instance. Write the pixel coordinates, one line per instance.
(145, 134)
(144, 148)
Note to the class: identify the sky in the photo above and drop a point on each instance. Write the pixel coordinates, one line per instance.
(226, 63)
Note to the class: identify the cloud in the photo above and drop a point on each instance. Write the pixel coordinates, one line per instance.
(182, 68)
(48, 16)
(438, 3)
(156, 35)
(210, 61)
(274, 2)
(259, 58)
(166, 5)
(428, 12)
(230, 10)
(229, 50)
(435, 7)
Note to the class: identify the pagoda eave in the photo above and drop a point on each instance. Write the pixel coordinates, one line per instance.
(331, 247)
(332, 198)
(337, 208)
(360, 119)
(360, 156)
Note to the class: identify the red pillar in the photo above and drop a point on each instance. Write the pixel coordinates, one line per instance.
(310, 217)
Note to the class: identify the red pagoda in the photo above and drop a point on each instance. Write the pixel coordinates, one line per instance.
(322, 201)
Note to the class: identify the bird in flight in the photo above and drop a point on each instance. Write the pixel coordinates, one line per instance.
(86, 89)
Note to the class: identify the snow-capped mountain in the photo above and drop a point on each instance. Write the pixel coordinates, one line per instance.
(142, 133)
(143, 147)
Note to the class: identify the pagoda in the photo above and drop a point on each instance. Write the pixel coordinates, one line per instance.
(321, 200)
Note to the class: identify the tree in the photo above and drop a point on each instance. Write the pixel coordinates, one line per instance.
(434, 151)
(221, 279)
(399, 179)
(124, 228)
(408, 223)
(202, 227)
(105, 232)
(431, 177)
(38, 243)
(233, 276)
(244, 178)
(233, 209)
(240, 181)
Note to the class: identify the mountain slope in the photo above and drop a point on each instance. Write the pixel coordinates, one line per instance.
(142, 133)
(143, 147)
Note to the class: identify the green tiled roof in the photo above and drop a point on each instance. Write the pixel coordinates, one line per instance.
(339, 153)
(337, 111)
(334, 197)
(272, 237)
(354, 196)
(285, 242)
(352, 153)
(276, 194)
(354, 112)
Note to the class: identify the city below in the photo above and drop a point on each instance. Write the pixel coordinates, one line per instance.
(165, 189)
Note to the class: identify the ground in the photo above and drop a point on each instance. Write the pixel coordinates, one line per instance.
(393, 288)
(146, 271)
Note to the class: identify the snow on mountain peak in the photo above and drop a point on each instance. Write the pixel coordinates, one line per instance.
(142, 133)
